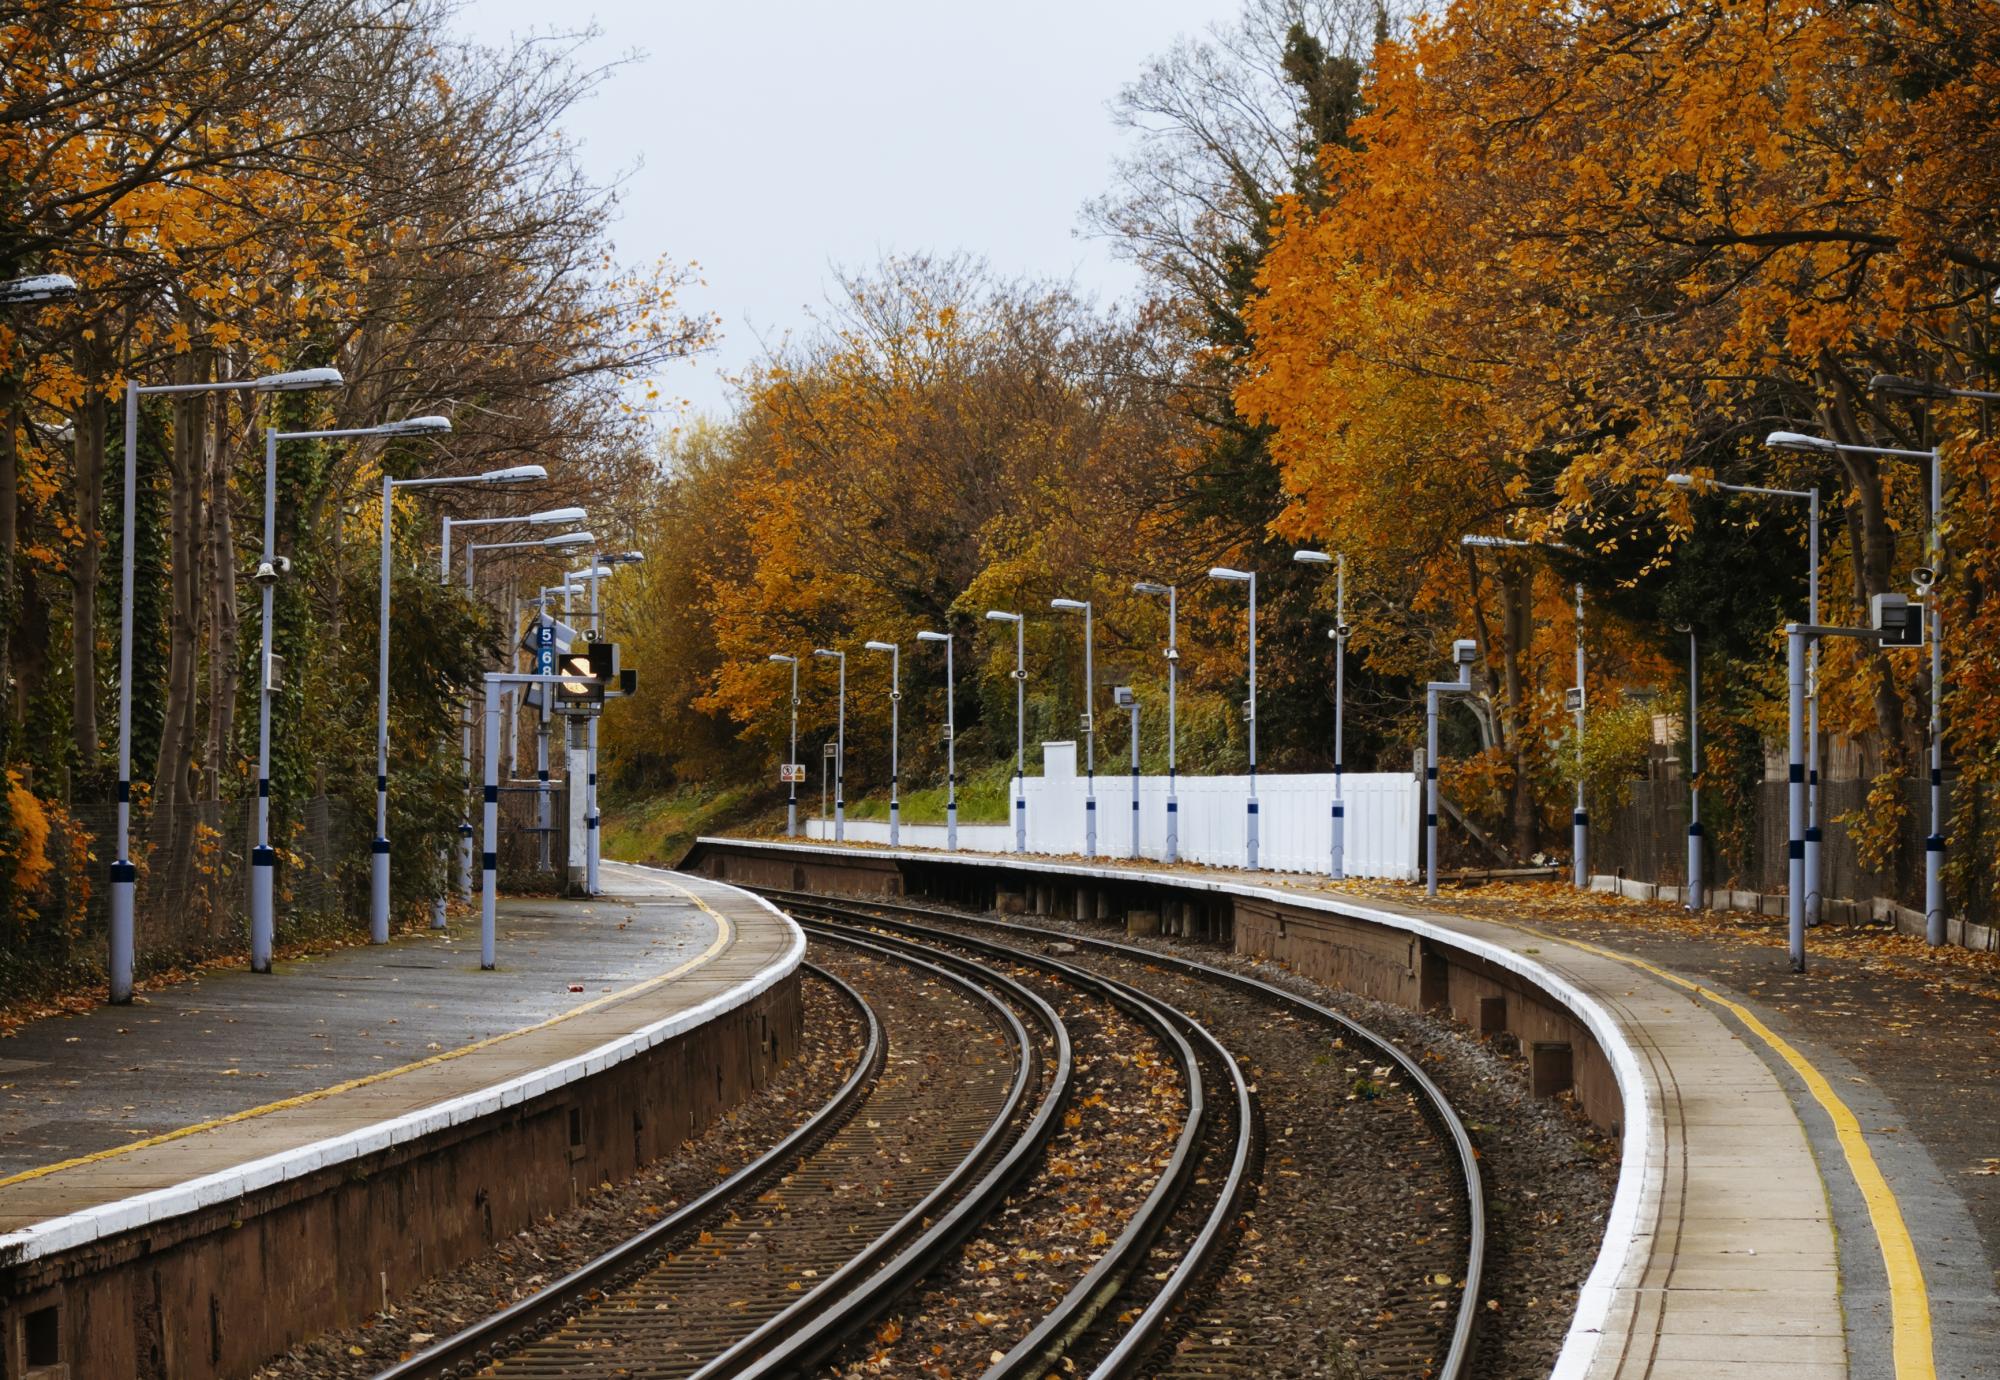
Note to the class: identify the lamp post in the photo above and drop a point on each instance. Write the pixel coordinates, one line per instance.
(1173, 666)
(1020, 723)
(1089, 722)
(1462, 653)
(124, 876)
(378, 907)
(565, 539)
(895, 737)
(840, 748)
(1128, 700)
(1695, 898)
(1248, 577)
(791, 762)
(1785, 440)
(950, 743)
(263, 857)
(593, 826)
(1338, 868)
(1579, 817)
(1934, 902)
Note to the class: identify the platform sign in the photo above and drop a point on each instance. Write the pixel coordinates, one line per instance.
(1573, 698)
(545, 647)
(790, 773)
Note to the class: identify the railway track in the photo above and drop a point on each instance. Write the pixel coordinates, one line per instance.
(1341, 1105)
(853, 1233)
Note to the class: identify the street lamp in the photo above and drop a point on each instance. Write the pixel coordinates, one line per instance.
(1338, 870)
(1173, 667)
(37, 289)
(124, 875)
(1020, 723)
(378, 907)
(840, 749)
(1791, 440)
(544, 826)
(1934, 903)
(1248, 577)
(791, 763)
(263, 857)
(1089, 723)
(895, 735)
(1693, 900)
(544, 518)
(950, 743)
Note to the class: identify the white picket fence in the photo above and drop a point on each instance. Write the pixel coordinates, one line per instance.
(1295, 820)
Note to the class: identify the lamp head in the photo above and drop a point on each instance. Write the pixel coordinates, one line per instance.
(516, 474)
(829, 652)
(414, 426)
(626, 558)
(1312, 557)
(1901, 387)
(588, 572)
(1680, 480)
(569, 539)
(781, 657)
(1798, 440)
(880, 646)
(933, 637)
(996, 616)
(1223, 572)
(548, 515)
(300, 381)
(1149, 587)
(1075, 605)
(42, 287)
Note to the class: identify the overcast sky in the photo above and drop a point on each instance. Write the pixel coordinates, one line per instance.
(775, 140)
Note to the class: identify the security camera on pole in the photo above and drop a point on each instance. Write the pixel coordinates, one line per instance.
(1020, 723)
(1173, 655)
(1125, 699)
(1463, 653)
(950, 742)
(895, 737)
(124, 876)
(1696, 897)
(606, 563)
(264, 858)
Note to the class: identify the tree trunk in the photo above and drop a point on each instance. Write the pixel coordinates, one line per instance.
(185, 470)
(223, 618)
(10, 478)
(89, 429)
(1517, 604)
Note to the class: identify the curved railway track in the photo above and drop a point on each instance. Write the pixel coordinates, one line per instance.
(965, 1074)
(1423, 1324)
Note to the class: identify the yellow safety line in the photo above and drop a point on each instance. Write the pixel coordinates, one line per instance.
(724, 932)
(1910, 1306)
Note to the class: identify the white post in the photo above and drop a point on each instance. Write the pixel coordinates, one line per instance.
(1580, 821)
(950, 753)
(264, 858)
(840, 760)
(1089, 737)
(1430, 790)
(1795, 675)
(895, 746)
(1696, 896)
(792, 796)
(1173, 675)
(489, 863)
(1339, 869)
(1135, 776)
(591, 837)
(1934, 902)
(378, 907)
(1813, 713)
(124, 875)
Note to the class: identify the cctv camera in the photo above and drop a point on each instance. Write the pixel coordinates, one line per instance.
(1923, 577)
(1341, 630)
(1464, 651)
(266, 573)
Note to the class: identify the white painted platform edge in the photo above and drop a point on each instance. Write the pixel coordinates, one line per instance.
(127, 1214)
(1625, 1249)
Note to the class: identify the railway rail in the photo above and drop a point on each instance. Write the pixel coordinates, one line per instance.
(1424, 1327)
(923, 1145)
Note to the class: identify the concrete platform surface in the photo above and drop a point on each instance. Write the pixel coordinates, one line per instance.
(116, 1116)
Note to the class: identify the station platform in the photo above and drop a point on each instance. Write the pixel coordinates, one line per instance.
(240, 1094)
(1774, 1217)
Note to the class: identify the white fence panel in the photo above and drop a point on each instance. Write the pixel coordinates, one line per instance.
(1295, 818)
